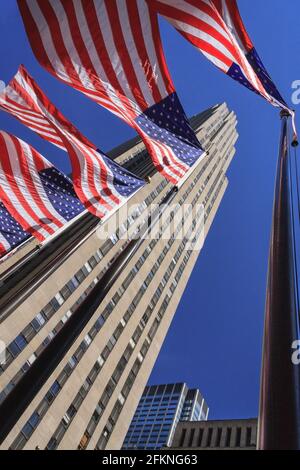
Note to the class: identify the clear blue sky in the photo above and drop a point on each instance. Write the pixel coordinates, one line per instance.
(215, 339)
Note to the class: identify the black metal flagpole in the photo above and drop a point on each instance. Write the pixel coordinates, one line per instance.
(279, 414)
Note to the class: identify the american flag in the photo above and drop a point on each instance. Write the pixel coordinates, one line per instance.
(11, 233)
(111, 50)
(215, 27)
(36, 194)
(100, 184)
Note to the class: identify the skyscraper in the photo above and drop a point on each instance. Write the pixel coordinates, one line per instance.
(160, 409)
(76, 366)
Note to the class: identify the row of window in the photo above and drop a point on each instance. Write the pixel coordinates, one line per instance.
(217, 437)
(216, 194)
(197, 178)
(53, 333)
(225, 125)
(160, 401)
(213, 128)
(162, 398)
(145, 417)
(151, 334)
(137, 438)
(224, 143)
(29, 332)
(20, 442)
(106, 433)
(54, 441)
(148, 428)
(158, 412)
(157, 441)
(141, 164)
(229, 144)
(39, 321)
(42, 346)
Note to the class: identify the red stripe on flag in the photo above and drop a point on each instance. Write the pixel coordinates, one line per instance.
(124, 54)
(136, 26)
(206, 47)
(91, 177)
(160, 53)
(5, 199)
(108, 89)
(34, 36)
(58, 40)
(53, 111)
(191, 20)
(239, 25)
(6, 165)
(3, 250)
(39, 166)
(41, 54)
(207, 9)
(68, 136)
(82, 51)
(103, 55)
(66, 133)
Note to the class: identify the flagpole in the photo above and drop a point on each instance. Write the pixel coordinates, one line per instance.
(279, 413)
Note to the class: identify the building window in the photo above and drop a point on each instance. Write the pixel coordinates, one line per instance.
(218, 439)
(238, 437)
(19, 442)
(191, 437)
(143, 351)
(84, 442)
(28, 333)
(65, 292)
(248, 437)
(209, 437)
(228, 437)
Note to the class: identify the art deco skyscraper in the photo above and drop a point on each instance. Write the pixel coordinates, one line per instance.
(86, 393)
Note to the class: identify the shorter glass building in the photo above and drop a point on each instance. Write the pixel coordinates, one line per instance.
(158, 413)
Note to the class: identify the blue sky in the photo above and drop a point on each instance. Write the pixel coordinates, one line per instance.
(215, 340)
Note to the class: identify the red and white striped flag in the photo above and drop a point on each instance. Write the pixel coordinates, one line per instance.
(37, 195)
(111, 50)
(215, 27)
(100, 184)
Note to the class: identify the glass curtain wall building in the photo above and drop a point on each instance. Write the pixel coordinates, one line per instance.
(158, 413)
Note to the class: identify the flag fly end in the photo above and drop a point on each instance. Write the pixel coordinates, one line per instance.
(295, 142)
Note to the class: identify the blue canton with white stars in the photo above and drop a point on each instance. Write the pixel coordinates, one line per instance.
(166, 122)
(10, 229)
(236, 73)
(60, 192)
(261, 72)
(124, 182)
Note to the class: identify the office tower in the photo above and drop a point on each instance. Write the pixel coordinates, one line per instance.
(90, 384)
(160, 409)
(231, 434)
